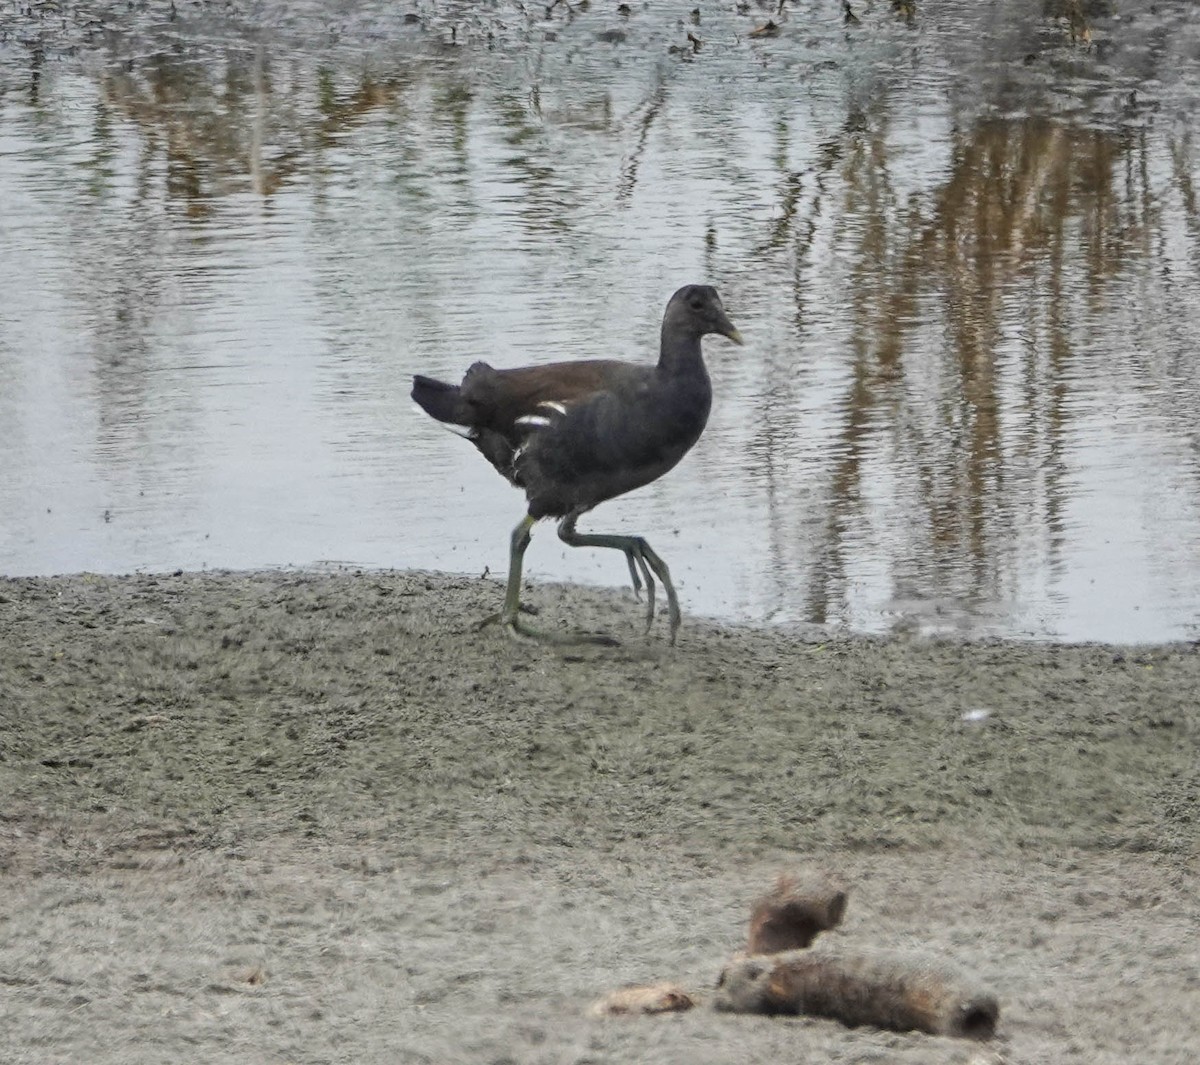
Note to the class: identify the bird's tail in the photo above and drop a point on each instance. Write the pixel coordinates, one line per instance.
(441, 401)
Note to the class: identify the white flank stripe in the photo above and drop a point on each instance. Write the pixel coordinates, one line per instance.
(554, 405)
(534, 421)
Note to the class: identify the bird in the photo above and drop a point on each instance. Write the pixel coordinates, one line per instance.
(575, 434)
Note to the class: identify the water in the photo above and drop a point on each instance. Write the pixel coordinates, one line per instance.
(964, 251)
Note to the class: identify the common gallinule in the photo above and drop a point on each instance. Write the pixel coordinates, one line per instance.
(573, 434)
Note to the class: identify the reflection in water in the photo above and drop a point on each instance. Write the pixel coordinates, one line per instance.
(964, 254)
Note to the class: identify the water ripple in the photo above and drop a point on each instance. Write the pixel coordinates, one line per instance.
(964, 253)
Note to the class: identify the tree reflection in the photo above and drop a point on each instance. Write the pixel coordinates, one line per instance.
(1033, 218)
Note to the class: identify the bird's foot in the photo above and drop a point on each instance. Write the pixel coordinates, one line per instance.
(519, 630)
(493, 619)
(635, 555)
(648, 562)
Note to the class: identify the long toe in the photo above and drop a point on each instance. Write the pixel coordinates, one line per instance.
(493, 619)
(633, 573)
(676, 621)
(518, 630)
(674, 617)
(649, 594)
(659, 568)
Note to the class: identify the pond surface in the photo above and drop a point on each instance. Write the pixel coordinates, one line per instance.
(963, 246)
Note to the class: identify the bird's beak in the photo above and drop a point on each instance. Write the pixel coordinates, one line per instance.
(727, 329)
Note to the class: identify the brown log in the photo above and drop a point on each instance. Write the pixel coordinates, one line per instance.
(880, 990)
(795, 912)
(643, 998)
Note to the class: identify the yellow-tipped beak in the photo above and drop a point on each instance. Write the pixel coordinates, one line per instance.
(734, 335)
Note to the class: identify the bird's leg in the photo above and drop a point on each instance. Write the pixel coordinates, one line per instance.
(521, 536)
(510, 614)
(638, 551)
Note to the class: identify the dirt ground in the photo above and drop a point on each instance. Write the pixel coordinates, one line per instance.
(298, 817)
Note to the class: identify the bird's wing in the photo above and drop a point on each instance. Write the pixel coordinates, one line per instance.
(502, 397)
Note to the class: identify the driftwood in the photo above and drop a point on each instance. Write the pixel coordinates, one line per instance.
(643, 998)
(881, 990)
(778, 975)
(793, 914)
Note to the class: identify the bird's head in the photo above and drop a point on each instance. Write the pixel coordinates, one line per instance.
(696, 310)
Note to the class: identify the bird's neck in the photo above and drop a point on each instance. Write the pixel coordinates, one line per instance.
(680, 356)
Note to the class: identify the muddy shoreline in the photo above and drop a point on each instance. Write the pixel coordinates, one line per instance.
(318, 816)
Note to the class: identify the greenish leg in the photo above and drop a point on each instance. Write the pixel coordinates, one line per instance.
(637, 551)
(510, 615)
(521, 536)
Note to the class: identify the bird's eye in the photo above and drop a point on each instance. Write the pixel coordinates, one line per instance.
(697, 304)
